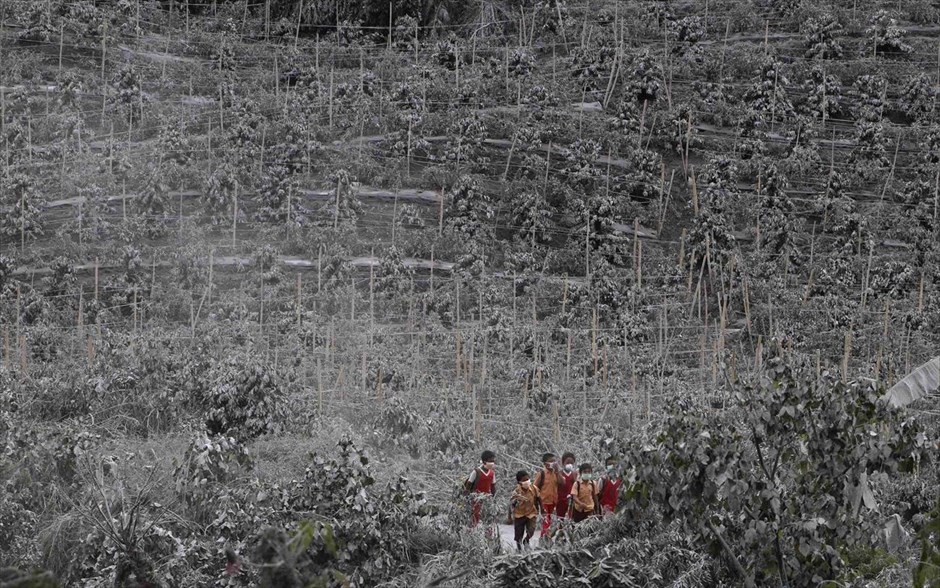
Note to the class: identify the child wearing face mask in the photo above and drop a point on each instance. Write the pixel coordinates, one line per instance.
(549, 482)
(569, 473)
(609, 487)
(526, 504)
(482, 480)
(583, 500)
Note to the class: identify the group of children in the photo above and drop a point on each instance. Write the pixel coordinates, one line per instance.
(565, 492)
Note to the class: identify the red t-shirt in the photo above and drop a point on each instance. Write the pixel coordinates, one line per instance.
(609, 493)
(484, 481)
(568, 479)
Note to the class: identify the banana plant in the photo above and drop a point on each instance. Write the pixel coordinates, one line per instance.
(916, 385)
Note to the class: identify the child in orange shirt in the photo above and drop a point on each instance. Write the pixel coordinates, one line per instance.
(526, 505)
(583, 501)
(549, 483)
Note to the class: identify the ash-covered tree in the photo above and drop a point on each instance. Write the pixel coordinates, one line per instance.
(644, 83)
(918, 98)
(850, 238)
(61, 281)
(886, 36)
(683, 33)
(585, 177)
(126, 93)
(531, 214)
(244, 131)
(393, 278)
(767, 96)
(469, 211)
(710, 239)
(822, 94)
(869, 159)
(778, 221)
(280, 189)
(870, 97)
(553, 17)
(130, 284)
(821, 36)
(219, 197)
(153, 204)
(465, 143)
(921, 228)
(521, 63)
(343, 207)
(21, 205)
(802, 156)
(173, 142)
(590, 67)
(833, 200)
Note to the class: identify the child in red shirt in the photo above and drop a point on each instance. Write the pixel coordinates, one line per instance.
(482, 480)
(569, 473)
(609, 487)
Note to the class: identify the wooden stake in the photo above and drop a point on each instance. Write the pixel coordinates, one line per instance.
(299, 320)
(300, 14)
(319, 385)
(846, 354)
(331, 96)
(440, 214)
(812, 267)
(6, 347)
(61, 42)
(884, 337)
(234, 216)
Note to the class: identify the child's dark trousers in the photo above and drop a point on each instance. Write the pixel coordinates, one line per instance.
(524, 526)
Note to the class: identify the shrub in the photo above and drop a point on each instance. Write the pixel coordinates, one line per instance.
(367, 542)
(246, 398)
(209, 461)
(778, 483)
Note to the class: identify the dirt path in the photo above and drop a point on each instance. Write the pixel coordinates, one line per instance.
(507, 536)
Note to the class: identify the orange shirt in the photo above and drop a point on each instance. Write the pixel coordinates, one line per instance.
(524, 502)
(584, 494)
(547, 481)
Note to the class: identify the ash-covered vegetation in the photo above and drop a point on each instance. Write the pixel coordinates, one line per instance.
(275, 273)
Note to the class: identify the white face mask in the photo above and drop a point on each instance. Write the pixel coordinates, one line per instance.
(526, 484)
(569, 467)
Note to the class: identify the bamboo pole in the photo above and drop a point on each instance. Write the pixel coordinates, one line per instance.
(594, 340)
(62, 41)
(331, 96)
(234, 216)
(299, 289)
(812, 267)
(440, 214)
(6, 348)
(759, 354)
(846, 354)
(884, 337)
